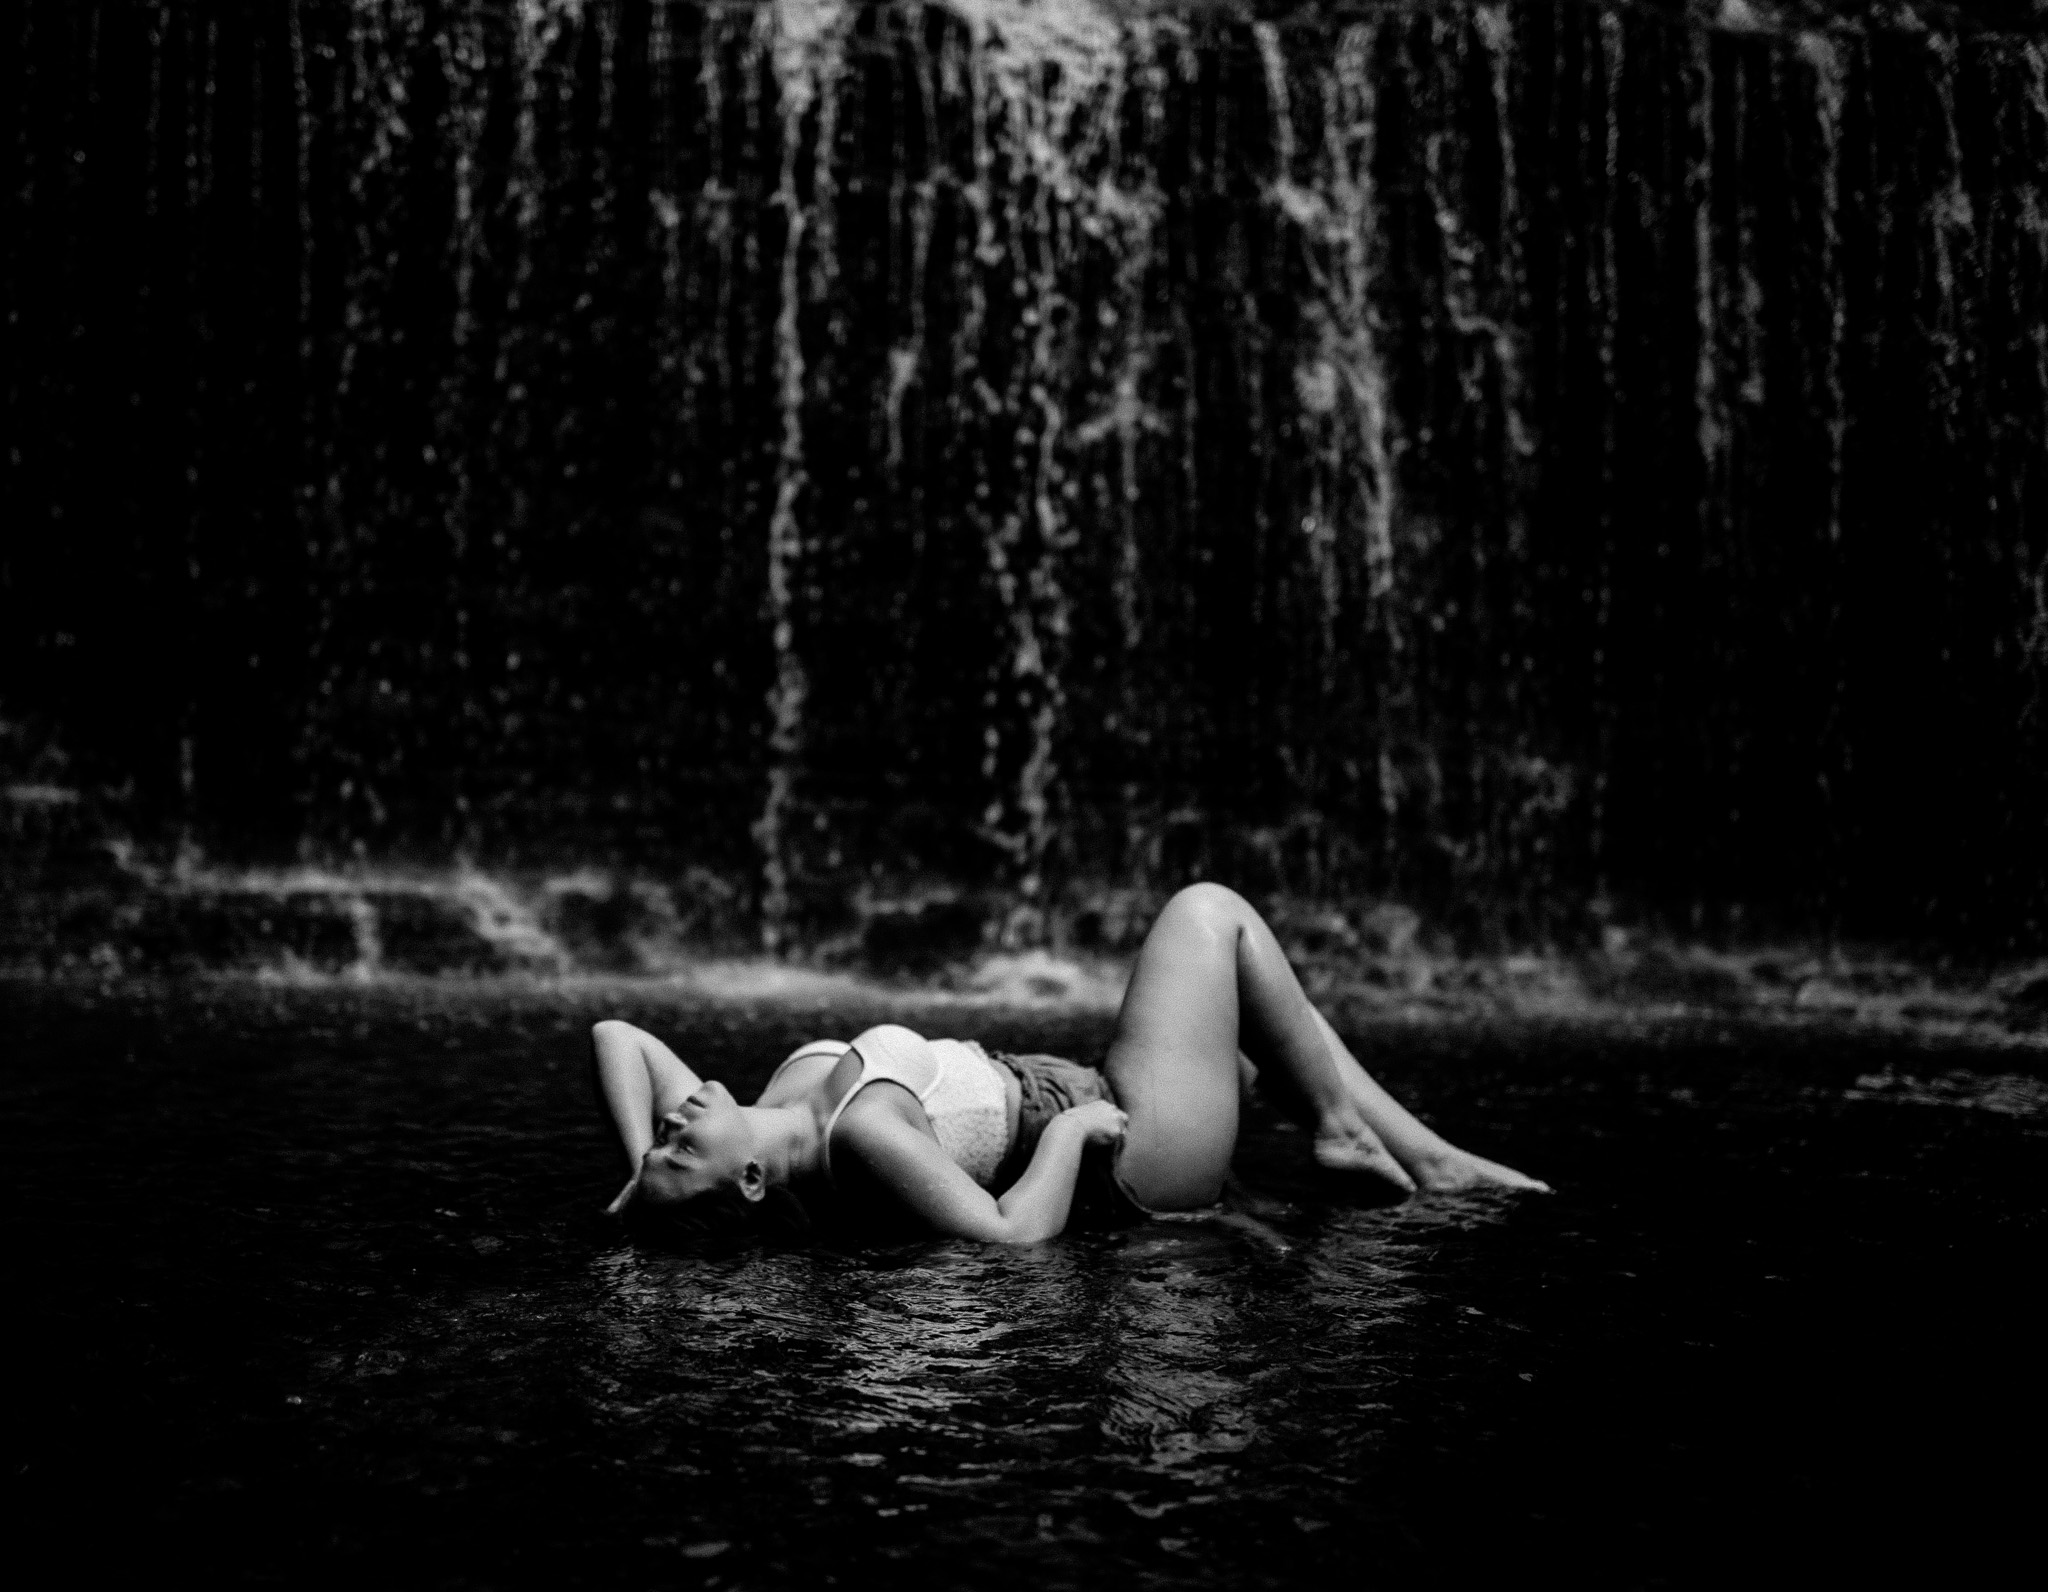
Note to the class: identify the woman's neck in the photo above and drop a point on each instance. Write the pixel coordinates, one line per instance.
(789, 1139)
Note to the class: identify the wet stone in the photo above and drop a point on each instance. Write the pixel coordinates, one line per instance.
(1660, 975)
(605, 928)
(424, 933)
(221, 929)
(2031, 997)
(921, 936)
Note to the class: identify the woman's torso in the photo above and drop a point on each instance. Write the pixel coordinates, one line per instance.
(948, 1088)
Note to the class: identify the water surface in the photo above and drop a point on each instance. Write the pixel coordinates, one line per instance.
(314, 1290)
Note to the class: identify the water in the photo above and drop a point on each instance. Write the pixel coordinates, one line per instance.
(308, 1284)
(1166, 441)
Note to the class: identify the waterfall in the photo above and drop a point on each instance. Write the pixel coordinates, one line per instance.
(1503, 455)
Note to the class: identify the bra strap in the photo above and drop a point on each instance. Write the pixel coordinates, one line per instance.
(860, 1081)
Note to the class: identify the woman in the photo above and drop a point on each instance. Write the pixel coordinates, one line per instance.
(992, 1147)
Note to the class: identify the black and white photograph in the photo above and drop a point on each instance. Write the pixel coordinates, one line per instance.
(1024, 794)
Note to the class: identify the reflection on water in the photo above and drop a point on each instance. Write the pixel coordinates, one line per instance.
(329, 1262)
(1177, 1361)
(2009, 1094)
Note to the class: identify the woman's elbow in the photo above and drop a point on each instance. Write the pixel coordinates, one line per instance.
(614, 1043)
(995, 1227)
(1023, 1229)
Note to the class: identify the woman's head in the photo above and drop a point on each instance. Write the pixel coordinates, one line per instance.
(703, 1151)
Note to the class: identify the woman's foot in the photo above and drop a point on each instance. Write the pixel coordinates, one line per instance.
(1358, 1149)
(1451, 1170)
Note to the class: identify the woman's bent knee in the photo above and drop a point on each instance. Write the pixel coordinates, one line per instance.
(1208, 902)
(1205, 913)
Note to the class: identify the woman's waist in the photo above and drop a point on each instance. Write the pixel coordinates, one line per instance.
(1043, 1086)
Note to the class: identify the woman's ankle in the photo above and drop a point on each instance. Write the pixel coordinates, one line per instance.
(1341, 1149)
(1340, 1120)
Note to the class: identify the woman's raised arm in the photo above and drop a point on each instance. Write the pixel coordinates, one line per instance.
(639, 1080)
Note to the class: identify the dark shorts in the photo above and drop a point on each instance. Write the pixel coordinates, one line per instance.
(1050, 1085)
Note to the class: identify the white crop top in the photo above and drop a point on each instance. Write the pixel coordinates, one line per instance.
(962, 1091)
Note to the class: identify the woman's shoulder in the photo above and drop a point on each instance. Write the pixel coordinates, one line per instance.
(878, 1125)
(801, 1071)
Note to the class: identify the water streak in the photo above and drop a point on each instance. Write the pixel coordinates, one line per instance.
(1950, 241)
(1491, 30)
(1605, 288)
(807, 54)
(1710, 417)
(1825, 62)
(2031, 270)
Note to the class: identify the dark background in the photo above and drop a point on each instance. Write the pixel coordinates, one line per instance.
(1528, 461)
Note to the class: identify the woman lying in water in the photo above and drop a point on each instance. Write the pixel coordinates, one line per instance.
(994, 1146)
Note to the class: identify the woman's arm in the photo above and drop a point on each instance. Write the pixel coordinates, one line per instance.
(639, 1080)
(913, 1168)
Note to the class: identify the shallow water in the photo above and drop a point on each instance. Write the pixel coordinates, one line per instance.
(315, 1290)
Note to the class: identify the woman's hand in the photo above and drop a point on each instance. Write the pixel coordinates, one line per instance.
(1099, 1122)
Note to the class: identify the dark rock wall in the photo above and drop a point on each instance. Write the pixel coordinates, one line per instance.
(1501, 457)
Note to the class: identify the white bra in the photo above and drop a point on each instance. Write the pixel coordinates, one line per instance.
(963, 1092)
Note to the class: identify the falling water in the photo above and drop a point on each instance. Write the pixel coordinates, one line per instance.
(806, 53)
(991, 446)
(1605, 292)
(1711, 423)
(2030, 272)
(1821, 55)
(1950, 268)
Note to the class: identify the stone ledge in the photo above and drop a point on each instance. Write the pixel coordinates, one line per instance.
(107, 915)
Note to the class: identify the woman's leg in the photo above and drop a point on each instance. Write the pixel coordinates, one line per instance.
(1212, 978)
(1434, 1162)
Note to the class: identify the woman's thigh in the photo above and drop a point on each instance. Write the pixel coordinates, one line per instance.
(1173, 1062)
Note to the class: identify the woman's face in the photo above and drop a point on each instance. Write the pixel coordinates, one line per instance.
(703, 1144)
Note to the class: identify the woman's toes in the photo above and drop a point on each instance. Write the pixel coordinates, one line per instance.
(1460, 1169)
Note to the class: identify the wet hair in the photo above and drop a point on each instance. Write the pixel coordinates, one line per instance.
(721, 1213)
